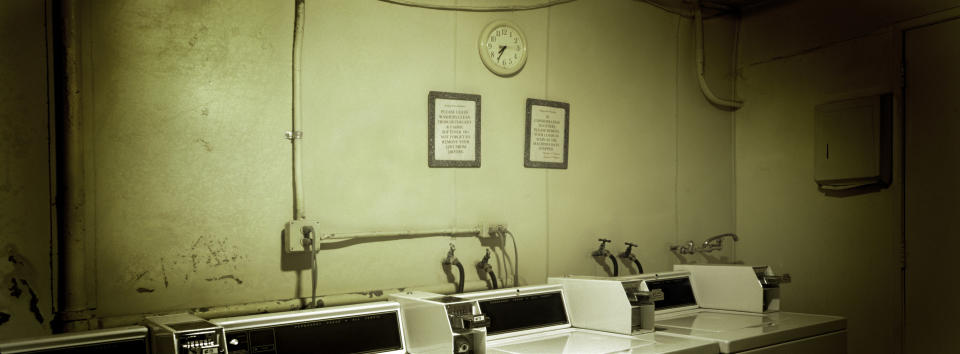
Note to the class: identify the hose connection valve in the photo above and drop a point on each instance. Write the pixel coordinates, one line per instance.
(451, 258)
(602, 250)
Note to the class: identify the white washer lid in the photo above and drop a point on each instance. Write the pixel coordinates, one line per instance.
(738, 331)
(581, 341)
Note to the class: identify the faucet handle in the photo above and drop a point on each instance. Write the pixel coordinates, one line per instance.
(630, 244)
(603, 240)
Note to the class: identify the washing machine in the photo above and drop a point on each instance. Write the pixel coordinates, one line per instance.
(362, 328)
(743, 316)
(121, 340)
(536, 319)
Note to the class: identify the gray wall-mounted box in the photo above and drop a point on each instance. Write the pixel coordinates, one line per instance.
(854, 143)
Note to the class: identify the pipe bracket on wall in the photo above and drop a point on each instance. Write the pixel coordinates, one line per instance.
(293, 135)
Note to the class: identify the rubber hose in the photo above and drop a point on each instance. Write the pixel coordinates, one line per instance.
(460, 284)
(493, 278)
(616, 268)
(639, 267)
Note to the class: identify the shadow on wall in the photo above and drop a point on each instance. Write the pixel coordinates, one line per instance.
(860, 190)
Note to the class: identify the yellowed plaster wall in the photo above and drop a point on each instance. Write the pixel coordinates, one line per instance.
(840, 251)
(193, 180)
(705, 187)
(844, 253)
(26, 302)
(619, 74)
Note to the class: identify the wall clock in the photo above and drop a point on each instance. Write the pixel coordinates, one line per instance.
(503, 48)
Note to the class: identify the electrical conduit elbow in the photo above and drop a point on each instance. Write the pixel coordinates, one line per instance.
(698, 35)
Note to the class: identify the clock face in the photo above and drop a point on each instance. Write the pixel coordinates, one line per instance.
(503, 48)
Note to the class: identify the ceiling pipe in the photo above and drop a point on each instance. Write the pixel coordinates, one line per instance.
(74, 306)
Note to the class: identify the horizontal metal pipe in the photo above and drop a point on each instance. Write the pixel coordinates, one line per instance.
(476, 230)
(293, 304)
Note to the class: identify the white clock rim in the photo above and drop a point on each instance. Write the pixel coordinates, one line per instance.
(488, 62)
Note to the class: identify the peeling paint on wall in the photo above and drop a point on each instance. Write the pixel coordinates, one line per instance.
(371, 294)
(18, 277)
(15, 290)
(34, 302)
(228, 276)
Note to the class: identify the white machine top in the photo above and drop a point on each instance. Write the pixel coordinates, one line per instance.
(535, 320)
(587, 341)
(738, 331)
(734, 331)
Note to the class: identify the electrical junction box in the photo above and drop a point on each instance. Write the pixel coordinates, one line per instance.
(854, 143)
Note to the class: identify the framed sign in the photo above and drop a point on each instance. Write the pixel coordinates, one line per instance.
(453, 129)
(547, 134)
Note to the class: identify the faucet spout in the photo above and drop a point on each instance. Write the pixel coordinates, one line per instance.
(716, 242)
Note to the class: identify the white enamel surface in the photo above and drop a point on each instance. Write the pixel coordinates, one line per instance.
(725, 287)
(585, 341)
(597, 304)
(737, 331)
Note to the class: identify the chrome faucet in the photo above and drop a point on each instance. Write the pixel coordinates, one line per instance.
(602, 251)
(716, 242)
(689, 248)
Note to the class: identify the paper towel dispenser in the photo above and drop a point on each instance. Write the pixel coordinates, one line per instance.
(854, 143)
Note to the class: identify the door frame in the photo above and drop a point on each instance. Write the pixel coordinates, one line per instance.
(899, 31)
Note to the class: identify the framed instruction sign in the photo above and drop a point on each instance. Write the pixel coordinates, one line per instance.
(453, 129)
(547, 134)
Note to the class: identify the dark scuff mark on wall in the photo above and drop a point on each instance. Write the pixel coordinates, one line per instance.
(228, 276)
(22, 270)
(141, 275)
(144, 290)
(206, 144)
(13, 259)
(34, 302)
(163, 271)
(371, 294)
(4, 318)
(15, 290)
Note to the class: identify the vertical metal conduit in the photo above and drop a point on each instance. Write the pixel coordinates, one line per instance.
(297, 133)
(71, 204)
